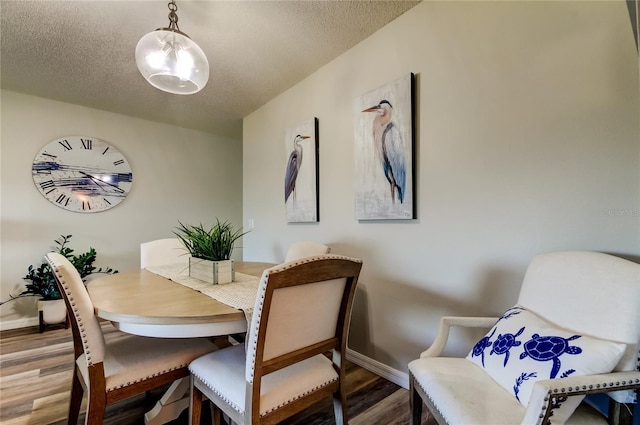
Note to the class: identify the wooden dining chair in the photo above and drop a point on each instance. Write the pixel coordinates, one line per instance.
(304, 249)
(295, 354)
(161, 252)
(109, 371)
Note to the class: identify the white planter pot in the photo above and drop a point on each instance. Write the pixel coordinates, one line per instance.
(51, 312)
(212, 271)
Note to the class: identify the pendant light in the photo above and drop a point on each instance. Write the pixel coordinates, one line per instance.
(170, 61)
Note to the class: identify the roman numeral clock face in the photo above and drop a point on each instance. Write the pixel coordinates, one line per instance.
(82, 174)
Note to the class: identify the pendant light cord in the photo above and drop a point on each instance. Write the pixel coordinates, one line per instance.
(173, 16)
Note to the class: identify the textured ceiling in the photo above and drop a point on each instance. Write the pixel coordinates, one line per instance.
(82, 52)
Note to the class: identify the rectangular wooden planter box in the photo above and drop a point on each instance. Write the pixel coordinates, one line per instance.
(212, 271)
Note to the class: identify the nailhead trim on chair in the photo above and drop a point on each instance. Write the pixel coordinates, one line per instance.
(261, 296)
(569, 390)
(254, 331)
(237, 409)
(83, 333)
(635, 393)
(415, 381)
(220, 395)
(147, 377)
(87, 352)
(298, 397)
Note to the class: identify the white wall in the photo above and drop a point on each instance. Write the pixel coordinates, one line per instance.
(527, 142)
(178, 174)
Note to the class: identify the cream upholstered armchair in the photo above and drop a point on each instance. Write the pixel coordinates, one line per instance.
(301, 313)
(161, 252)
(304, 249)
(109, 371)
(575, 330)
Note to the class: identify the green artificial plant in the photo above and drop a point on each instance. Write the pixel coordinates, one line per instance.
(41, 280)
(214, 244)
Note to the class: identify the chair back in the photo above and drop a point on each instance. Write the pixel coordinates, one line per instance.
(305, 249)
(302, 310)
(87, 333)
(161, 252)
(588, 292)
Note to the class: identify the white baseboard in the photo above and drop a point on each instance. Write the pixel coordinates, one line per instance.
(380, 369)
(18, 323)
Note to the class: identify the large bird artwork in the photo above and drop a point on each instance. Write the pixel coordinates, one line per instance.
(389, 149)
(293, 167)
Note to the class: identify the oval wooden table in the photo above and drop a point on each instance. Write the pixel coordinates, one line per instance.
(146, 304)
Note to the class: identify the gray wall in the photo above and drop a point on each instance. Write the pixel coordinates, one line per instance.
(178, 174)
(527, 142)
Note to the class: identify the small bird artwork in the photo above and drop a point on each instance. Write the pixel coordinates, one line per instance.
(389, 148)
(293, 167)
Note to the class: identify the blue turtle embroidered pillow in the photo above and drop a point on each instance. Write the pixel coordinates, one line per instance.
(523, 348)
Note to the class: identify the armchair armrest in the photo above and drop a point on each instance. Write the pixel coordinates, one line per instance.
(548, 393)
(445, 325)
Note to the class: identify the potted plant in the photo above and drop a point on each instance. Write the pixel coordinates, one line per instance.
(210, 250)
(42, 283)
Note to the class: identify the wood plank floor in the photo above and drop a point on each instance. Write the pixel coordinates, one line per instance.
(35, 380)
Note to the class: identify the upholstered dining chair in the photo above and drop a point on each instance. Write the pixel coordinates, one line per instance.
(574, 331)
(301, 314)
(109, 371)
(304, 249)
(161, 252)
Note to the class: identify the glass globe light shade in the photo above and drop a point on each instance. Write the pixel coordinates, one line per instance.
(172, 62)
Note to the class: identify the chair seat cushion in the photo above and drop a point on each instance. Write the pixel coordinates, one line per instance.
(129, 359)
(223, 372)
(463, 393)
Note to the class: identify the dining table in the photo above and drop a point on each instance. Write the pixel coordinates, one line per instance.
(164, 302)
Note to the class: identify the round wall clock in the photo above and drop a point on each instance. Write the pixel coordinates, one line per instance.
(82, 174)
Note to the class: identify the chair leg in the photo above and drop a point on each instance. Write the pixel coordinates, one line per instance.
(76, 398)
(340, 405)
(216, 415)
(196, 405)
(415, 404)
(96, 406)
(620, 413)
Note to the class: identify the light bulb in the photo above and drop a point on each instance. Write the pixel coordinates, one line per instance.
(172, 62)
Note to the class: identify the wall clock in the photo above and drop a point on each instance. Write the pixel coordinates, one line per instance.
(82, 174)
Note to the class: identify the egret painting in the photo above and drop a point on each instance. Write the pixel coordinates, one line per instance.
(384, 152)
(301, 173)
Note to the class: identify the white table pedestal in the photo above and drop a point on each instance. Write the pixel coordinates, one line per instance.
(172, 403)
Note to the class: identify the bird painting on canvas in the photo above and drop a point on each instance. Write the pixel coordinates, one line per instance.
(293, 167)
(389, 149)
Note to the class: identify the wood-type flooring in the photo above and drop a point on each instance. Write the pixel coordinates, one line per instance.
(35, 381)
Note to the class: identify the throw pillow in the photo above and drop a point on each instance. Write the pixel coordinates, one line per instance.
(523, 348)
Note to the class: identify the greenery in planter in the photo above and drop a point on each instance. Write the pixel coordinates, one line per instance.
(41, 280)
(214, 244)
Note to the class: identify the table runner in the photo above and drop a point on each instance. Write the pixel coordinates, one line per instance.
(240, 294)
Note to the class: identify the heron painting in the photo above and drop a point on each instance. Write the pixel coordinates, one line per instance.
(301, 173)
(384, 152)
